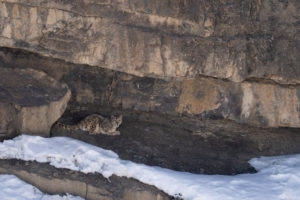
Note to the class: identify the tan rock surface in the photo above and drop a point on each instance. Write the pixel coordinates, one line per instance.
(257, 102)
(88, 186)
(234, 41)
(30, 101)
(198, 96)
(271, 104)
(206, 140)
(236, 60)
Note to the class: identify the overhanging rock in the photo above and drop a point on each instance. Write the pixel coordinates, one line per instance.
(30, 101)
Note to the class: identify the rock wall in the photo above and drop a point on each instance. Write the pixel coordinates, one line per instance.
(234, 40)
(208, 69)
(161, 121)
(235, 60)
(256, 102)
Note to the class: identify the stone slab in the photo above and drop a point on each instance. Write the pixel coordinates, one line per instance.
(30, 101)
(88, 186)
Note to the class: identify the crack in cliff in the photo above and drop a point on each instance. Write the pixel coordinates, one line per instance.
(86, 190)
(96, 16)
(253, 80)
(162, 55)
(209, 38)
(270, 81)
(113, 83)
(110, 90)
(45, 7)
(153, 29)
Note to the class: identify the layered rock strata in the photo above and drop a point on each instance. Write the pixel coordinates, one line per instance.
(30, 101)
(233, 39)
(255, 101)
(88, 186)
(235, 60)
(195, 80)
(159, 127)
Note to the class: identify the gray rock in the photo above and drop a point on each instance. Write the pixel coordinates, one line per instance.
(245, 53)
(257, 102)
(30, 101)
(88, 186)
(154, 133)
(235, 40)
(218, 69)
(186, 144)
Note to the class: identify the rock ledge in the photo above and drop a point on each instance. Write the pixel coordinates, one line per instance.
(30, 101)
(89, 186)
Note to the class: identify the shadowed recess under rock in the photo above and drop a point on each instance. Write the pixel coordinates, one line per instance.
(153, 131)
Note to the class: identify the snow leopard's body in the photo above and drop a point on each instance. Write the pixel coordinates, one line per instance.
(97, 124)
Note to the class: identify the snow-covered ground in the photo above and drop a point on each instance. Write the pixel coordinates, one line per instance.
(278, 178)
(12, 188)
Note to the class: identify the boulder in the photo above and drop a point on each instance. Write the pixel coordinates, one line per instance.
(30, 101)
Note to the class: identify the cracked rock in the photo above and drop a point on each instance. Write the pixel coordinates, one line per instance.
(30, 101)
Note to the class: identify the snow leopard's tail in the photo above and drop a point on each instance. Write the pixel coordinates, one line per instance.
(67, 127)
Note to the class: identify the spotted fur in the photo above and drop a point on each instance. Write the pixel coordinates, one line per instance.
(97, 124)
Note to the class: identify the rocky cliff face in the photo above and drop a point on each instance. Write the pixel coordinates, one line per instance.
(153, 131)
(236, 60)
(234, 40)
(189, 76)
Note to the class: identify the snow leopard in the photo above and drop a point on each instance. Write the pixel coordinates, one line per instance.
(97, 124)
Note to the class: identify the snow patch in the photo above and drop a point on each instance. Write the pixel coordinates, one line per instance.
(278, 178)
(12, 188)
